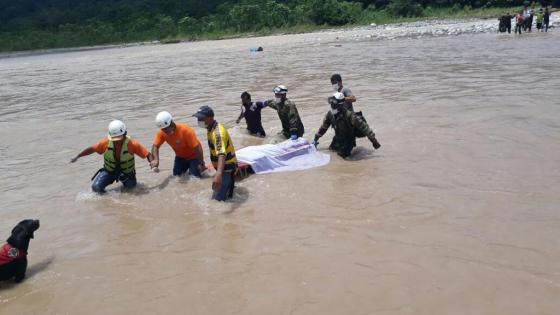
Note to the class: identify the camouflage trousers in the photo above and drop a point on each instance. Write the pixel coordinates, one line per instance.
(343, 146)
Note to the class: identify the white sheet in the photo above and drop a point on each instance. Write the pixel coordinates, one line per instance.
(282, 157)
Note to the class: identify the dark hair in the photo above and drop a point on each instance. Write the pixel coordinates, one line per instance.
(336, 77)
(246, 94)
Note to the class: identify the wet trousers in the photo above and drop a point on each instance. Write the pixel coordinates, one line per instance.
(226, 190)
(105, 178)
(181, 166)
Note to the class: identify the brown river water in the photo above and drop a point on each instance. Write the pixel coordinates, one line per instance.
(457, 213)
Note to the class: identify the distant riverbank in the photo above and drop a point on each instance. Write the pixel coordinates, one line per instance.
(439, 22)
(95, 34)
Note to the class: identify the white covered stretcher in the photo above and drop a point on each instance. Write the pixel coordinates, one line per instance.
(282, 157)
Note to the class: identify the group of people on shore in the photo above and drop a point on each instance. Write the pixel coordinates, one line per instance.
(524, 20)
(119, 149)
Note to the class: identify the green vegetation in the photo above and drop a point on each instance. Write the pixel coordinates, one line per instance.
(40, 24)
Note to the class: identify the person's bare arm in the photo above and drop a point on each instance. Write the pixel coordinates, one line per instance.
(350, 99)
(240, 116)
(155, 157)
(271, 104)
(150, 158)
(85, 152)
(217, 183)
(200, 157)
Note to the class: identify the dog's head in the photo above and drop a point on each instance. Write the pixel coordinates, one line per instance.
(22, 233)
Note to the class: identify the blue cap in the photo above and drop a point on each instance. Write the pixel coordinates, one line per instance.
(203, 112)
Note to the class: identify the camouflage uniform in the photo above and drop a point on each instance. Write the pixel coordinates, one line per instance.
(288, 114)
(345, 124)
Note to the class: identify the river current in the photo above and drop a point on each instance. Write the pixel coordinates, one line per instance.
(457, 213)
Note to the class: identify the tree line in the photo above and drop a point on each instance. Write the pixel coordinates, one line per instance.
(31, 24)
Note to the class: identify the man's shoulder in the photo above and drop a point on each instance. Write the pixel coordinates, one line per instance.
(346, 91)
(134, 142)
(348, 114)
(183, 126)
(221, 126)
(101, 145)
(219, 131)
(183, 129)
(103, 142)
(289, 102)
(160, 134)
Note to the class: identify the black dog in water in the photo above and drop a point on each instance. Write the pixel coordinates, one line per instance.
(13, 255)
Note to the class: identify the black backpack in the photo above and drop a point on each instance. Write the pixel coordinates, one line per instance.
(357, 132)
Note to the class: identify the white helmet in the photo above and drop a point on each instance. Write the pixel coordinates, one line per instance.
(338, 96)
(117, 129)
(280, 89)
(163, 120)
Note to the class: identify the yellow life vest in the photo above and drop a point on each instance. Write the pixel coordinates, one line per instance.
(126, 164)
(220, 143)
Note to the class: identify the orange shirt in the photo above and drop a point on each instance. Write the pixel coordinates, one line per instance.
(133, 147)
(183, 141)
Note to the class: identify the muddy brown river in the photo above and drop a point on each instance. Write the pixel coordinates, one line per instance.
(457, 213)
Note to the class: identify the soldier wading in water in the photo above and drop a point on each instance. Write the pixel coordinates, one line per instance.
(292, 127)
(347, 126)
